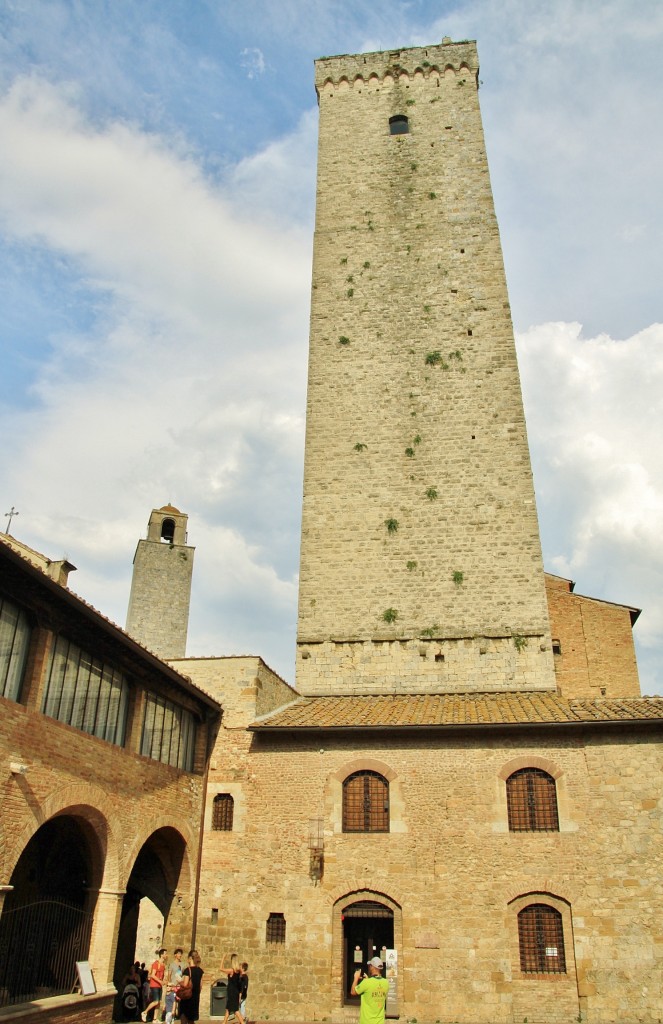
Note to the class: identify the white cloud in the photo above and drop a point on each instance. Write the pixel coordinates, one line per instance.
(189, 386)
(594, 410)
(253, 62)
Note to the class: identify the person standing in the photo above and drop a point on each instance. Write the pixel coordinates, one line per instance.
(174, 976)
(244, 990)
(373, 991)
(190, 997)
(233, 997)
(156, 976)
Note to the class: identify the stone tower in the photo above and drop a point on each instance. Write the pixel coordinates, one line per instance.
(421, 566)
(158, 614)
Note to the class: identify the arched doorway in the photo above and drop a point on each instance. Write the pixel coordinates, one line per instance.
(46, 920)
(155, 876)
(368, 930)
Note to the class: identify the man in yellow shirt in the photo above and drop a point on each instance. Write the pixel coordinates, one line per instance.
(373, 991)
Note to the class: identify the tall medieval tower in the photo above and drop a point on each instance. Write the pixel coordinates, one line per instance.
(158, 614)
(421, 567)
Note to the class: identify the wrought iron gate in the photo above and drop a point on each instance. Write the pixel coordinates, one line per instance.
(39, 946)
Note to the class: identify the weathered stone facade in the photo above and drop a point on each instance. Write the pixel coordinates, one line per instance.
(419, 522)
(449, 869)
(424, 647)
(158, 613)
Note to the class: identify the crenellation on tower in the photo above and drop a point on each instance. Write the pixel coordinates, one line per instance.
(387, 67)
(419, 520)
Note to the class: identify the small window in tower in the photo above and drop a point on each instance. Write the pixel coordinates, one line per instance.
(275, 931)
(556, 647)
(398, 125)
(168, 530)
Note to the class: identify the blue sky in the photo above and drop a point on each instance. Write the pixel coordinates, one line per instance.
(156, 216)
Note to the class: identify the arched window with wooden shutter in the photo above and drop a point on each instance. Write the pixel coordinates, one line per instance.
(365, 802)
(531, 797)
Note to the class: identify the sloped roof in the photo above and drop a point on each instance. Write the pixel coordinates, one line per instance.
(449, 710)
(24, 581)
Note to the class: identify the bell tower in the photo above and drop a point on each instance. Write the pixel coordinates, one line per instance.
(421, 567)
(158, 614)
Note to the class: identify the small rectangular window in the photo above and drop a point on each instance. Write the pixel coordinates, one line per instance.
(222, 813)
(275, 928)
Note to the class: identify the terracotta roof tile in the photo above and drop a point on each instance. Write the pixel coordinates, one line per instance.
(407, 711)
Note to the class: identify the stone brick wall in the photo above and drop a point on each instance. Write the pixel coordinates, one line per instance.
(419, 521)
(597, 656)
(449, 868)
(158, 612)
(247, 688)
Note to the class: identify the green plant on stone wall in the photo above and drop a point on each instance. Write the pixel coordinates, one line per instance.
(433, 358)
(366, 264)
(431, 493)
(411, 565)
(360, 446)
(344, 260)
(432, 195)
(344, 340)
(520, 643)
(430, 631)
(350, 292)
(409, 452)
(417, 439)
(457, 577)
(392, 525)
(389, 615)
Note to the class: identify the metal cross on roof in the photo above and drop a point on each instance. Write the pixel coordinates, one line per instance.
(10, 515)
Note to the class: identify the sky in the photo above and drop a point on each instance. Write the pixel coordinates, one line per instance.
(157, 187)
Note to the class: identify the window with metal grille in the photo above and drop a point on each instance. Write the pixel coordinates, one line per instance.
(86, 692)
(275, 928)
(169, 732)
(14, 642)
(222, 813)
(531, 798)
(365, 803)
(541, 940)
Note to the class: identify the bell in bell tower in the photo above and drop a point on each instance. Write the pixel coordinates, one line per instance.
(158, 614)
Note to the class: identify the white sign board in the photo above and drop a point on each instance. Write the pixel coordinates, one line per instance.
(391, 974)
(85, 979)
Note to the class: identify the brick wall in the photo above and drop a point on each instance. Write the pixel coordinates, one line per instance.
(597, 656)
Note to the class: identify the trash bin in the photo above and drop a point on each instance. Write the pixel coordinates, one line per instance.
(219, 991)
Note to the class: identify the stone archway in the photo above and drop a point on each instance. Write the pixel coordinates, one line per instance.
(365, 918)
(47, 918)
(161, 874)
